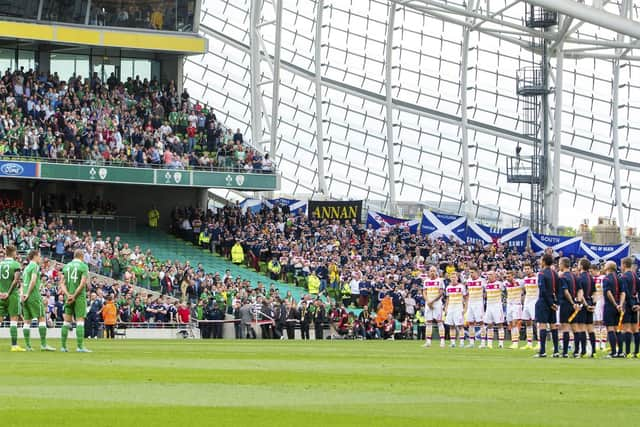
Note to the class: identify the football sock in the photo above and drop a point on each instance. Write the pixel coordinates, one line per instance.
(441, 331)
(636, 342)
(26, 332)
(555, 339)
(529, 334)
(583, 343)
(619, 341)
(627, 342)
(42, 329)
(612, 341)
(429, 331)
(515, 336)
(64, 334)
(592, 338)
(565, 343)
(80, 334)
(543, 340)
(13, 331)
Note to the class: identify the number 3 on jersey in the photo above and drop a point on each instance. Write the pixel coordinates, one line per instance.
(4, 271)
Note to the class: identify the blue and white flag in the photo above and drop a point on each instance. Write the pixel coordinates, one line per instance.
(512, 237)
(478, 233)
(515, 238)
(446, 227)
(599, 253)
(568, 245)
(253, 205)
(295, 206)
(378, 220)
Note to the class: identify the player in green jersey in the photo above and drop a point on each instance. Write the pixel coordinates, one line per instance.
(32, 305)
(10, 293)
(74, 286)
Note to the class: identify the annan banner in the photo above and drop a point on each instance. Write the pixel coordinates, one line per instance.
(343, 211)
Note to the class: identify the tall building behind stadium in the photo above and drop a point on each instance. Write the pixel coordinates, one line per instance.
(518, 112)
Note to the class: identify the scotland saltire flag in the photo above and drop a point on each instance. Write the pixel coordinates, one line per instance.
(512, 237)
(294, 205)
(601, 253)
(568, 245)
(446, 227)
(378, 220)
(253, 205)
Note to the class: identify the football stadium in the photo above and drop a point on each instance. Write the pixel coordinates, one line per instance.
(319, 212)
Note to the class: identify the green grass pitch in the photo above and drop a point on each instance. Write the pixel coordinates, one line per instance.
(294, 383)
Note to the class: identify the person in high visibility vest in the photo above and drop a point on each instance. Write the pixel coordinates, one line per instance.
(237, 253)
(314, 284)
(274, 269)
(154, 217)
(346, 293)
(204, 239)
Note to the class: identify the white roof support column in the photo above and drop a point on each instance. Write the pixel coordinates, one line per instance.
(557, 139)
(275, 103)
(255, 60)
(625, 11)
(391, 158)
(322, 185)
(464, 124)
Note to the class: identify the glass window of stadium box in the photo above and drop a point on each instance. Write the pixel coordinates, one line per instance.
(7, 60)
(68, 65)
(21, 9)
(67, 11)
(10, 59)
(143, 68)
(165, 15)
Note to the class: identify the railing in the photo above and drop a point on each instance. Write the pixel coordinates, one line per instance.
(105, 223)
(132, 164)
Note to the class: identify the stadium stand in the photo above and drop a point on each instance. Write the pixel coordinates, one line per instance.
(136, 123)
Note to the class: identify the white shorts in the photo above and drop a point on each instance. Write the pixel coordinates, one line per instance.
(529, 310)
(475, 313)
(454, 317)
(598, 312)
(494, 314)
(435, 313)
(514, 312)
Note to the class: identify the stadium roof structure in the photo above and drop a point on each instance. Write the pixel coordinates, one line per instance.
(418, 99)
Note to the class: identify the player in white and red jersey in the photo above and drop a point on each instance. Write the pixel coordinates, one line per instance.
(514, 307)
(598, 312)
(432, 292)
(475, 305)
(494, 314)
(530, 285)
(454, 309)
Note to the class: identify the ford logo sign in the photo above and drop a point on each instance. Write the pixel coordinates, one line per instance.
(12, 169)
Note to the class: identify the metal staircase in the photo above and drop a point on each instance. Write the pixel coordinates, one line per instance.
(532, 87)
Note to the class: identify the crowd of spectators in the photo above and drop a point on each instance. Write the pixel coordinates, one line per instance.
(139, 123)
(355, 267)
(188, 292)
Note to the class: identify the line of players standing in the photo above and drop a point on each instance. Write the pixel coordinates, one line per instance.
(595, 306)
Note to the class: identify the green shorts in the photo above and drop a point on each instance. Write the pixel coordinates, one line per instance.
(10, 306)
(78, 308)
(33, 308)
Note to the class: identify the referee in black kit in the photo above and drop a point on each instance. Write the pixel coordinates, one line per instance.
(587, 285)
(547, 305)
(629, 280)
(614, 304)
